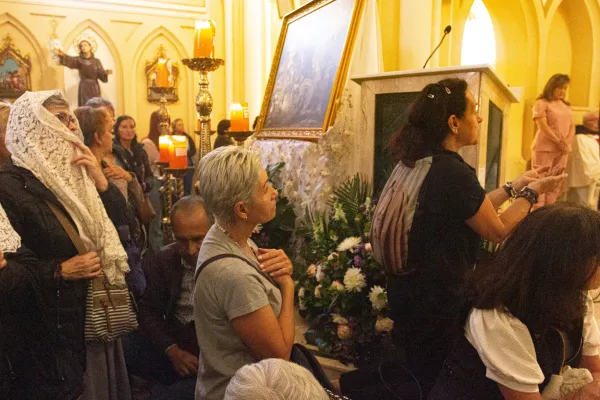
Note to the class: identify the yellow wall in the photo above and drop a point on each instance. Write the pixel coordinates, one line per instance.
(131, 32)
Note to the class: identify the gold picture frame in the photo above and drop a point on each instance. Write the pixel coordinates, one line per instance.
(172, 94)
(309, 69)
(15, 70)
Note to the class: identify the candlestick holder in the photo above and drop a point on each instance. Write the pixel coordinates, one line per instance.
(204, 101)
(240, 136)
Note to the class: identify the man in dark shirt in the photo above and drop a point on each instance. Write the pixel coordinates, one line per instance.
(165, 349)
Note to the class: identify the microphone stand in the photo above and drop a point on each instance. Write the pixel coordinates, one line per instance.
(446, 32)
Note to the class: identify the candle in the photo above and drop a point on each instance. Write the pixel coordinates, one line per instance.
(204, 36)
(162, 73)
(164, 148)
(178, 156)
(236, 117)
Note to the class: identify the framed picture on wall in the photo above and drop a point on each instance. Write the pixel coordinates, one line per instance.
(162, 71)
(15, 70)
(309, 69)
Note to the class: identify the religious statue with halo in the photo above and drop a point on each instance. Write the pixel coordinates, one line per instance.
(90, 68)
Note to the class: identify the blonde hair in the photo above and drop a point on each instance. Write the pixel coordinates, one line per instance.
(226, 176)
(274, 379)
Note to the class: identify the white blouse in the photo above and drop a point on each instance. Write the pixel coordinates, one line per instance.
(507, 351)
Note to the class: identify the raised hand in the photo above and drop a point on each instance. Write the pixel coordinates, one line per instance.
(116, 172)
(275, 263)
(91, 164)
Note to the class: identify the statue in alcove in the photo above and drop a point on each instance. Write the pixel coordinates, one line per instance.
(90, 68)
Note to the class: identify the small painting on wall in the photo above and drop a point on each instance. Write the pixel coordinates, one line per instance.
(15, 70)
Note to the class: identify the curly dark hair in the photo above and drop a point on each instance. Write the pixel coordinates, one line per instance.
(543, 269)
(427, 125)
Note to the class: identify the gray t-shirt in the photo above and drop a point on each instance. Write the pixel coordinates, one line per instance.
(226, 289)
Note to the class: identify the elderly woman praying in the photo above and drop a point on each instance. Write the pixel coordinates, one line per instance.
(244, 296)
(53, 168)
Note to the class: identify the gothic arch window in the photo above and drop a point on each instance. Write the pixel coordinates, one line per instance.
(479, 41)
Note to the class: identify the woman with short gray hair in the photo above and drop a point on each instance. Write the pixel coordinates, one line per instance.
(275, 379)
(244, 296)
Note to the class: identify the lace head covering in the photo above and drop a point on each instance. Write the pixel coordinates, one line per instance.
(39, 142)
(10, 240)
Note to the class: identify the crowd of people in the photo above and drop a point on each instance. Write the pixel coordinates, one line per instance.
(81, 203)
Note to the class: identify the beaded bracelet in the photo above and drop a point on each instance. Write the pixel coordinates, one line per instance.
(510, 190)
(530, 195)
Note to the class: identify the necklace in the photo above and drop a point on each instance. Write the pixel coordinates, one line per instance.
(248, 251)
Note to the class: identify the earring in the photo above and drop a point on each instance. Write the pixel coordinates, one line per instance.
(455, 130)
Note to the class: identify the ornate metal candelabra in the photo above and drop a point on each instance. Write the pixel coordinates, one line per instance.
(240, 136)
(204, 101)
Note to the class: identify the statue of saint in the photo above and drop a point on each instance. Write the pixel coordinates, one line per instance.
(90, 68)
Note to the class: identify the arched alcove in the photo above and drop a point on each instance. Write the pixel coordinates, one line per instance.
(479, 39)
(107, 53)
(146, 51)
(25, 42)
(570, 47)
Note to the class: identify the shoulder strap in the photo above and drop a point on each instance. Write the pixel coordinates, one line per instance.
(68, 227)
(220, 257)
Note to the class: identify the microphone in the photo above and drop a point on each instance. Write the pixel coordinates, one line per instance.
(446, 32)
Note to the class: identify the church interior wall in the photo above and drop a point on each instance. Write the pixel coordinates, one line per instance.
(534, 40)
(130, 31)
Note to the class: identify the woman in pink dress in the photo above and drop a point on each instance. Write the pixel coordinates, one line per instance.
(555, 130)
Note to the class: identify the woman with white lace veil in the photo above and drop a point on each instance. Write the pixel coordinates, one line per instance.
(52, 165)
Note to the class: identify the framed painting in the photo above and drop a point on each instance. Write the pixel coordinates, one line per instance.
(162, 71)
(15, 70)
(309, 69)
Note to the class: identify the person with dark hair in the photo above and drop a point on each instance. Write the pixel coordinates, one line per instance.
(155, 234)
(446, 212)
(165, 349)
(223, 138)
(555, 130)
(177, 128)
(53, 169)
(90, 70)
(134, 158)
(532, 315)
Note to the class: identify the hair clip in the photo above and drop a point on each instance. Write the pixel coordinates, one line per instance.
(447, 90)
(431, 96)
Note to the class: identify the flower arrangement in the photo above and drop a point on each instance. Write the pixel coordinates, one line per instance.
(341, 293)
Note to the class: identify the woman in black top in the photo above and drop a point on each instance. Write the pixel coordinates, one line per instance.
(452, 214)
(129, 153)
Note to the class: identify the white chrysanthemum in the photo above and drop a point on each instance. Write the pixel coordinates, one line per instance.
(384, 325)
(257, 228)
(337, 286)
(301, 292)
(354, 280)
(378, 298)
(320, 274)
(332, 256)
(311, 270)
(338, 319)
(318, 291)
(349, 243)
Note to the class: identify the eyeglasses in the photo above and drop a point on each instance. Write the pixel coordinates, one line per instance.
(65, 118)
